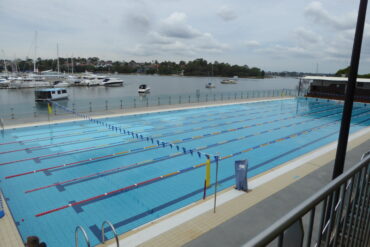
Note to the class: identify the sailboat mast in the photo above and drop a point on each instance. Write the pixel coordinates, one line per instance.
(35, 52)
(58, 68)
(72, 63)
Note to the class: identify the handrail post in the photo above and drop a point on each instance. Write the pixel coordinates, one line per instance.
(113, 229)
(350, 91)
(84, 233)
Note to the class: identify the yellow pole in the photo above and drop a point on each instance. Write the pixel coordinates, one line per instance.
(208, 173)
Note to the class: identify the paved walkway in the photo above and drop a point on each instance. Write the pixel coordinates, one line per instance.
(239, 229)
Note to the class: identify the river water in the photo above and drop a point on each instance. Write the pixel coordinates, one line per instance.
(23, 101)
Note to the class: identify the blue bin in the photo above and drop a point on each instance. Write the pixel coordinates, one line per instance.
(241, 170)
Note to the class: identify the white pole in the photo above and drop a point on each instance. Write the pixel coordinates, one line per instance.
(58, 68)
(216, 184)
(35, 52)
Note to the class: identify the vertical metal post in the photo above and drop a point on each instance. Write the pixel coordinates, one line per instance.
(12, 113)
(159, 101)
(350, 90)
(134, 102)
(216, 183)
(34, 111)
(106, 105)
(121, 104)
(189, 99)
(180, 99)
(90, 108)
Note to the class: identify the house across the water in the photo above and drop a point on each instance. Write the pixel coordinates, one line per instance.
(335, 88)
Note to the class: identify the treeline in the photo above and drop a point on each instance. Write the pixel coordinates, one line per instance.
(197, 67)
(345, 72)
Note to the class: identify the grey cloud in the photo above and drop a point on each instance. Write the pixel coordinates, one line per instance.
(316, 11)
(137, 22)
(307, 36)
(226, 13)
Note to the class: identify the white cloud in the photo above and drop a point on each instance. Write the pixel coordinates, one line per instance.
(226, 13)
(175, 26)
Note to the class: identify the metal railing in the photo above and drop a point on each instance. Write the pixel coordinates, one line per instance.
(114, 232)
(344, 220)
(37, 110)
(84, 233)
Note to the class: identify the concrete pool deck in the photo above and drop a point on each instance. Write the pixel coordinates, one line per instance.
(230, 225)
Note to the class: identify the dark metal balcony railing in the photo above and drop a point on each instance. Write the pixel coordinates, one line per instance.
(344, 219)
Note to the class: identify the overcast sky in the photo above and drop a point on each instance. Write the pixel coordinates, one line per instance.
(275, 35)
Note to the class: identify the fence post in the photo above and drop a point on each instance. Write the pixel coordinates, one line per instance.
(106, 105)
(206, 97)
(121, 104)
(34, 111)
(169, 100)
(159, 103)
(90, 108)
(222, 97)
(180, 99)
(12, 113)
(73, 107)
(134, 102)
(147, 102)
(189, 99)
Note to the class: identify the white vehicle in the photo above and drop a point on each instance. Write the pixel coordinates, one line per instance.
(111, 82)
(45, 94)
(143, 88)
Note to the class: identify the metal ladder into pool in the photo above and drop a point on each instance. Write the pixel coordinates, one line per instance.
(102, 234)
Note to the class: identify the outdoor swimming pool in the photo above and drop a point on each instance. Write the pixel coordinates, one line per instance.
(55, 177)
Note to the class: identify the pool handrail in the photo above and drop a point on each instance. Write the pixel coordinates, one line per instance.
(84, 233)
(113, 229)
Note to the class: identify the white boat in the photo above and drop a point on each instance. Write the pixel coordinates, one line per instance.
(4, 83)
(31, 81)
(90, 80)
(62, 84)
(143, 88)
(210, 85)
(233, 80)
(111, 82)
(229, 81)
(45, 94)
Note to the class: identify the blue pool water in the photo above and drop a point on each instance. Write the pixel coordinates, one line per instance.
(58, 176)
